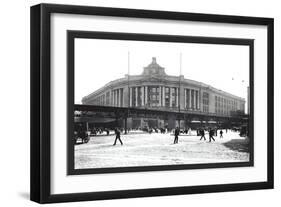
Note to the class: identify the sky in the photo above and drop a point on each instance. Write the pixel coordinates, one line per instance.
(98, 62)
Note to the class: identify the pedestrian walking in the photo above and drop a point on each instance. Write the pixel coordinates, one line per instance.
(177, 132)
(221, 134)
(211, 135)
(202, 132)
(117, 133)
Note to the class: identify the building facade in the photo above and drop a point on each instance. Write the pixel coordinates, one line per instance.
(154, 89)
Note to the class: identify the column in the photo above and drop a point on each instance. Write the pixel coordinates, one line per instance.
(109, 98)
(159, 96)
(113, 98)
(197, 94)
(120, 96)
(170, 97)
(142, 95)
(177, 97)
(136, 91)
(146, 95)
(131, 98)
(117, 97)
(200, 100)
(125, 96)
(163, 95)
(194, 99)
(190, 98)
(185, 91)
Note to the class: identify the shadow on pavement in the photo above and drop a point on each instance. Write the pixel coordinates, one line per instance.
(24, 195)
(240, 145)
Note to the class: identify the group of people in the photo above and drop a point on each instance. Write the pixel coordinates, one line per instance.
(96, 131)
(177, 131)
(212, 132)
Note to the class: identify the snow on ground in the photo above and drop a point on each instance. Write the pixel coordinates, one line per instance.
(158, 149)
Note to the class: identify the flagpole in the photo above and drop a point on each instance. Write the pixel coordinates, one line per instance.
(180, 63)
(128, 111)
(180, 80)
(179, 100)
(129, 79)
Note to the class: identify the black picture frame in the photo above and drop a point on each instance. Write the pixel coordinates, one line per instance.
(40, 186)
(71, 35)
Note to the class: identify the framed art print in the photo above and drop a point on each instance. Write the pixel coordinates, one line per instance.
(132, 103)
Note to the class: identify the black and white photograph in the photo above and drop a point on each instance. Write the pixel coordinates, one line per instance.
(141, 102)
(148, 102)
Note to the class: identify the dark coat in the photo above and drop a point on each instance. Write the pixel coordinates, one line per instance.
(177, 132)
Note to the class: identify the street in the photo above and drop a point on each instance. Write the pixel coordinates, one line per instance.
(142, 149)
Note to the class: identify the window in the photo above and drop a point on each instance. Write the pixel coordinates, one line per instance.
(167, 97)
(107, 98)
(188, 98)
(153, 94)
(174, 97)
(206, 102)
(192, 99)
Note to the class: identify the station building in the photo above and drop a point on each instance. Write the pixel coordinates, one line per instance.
(154, 89)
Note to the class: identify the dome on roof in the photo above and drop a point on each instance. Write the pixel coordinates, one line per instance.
(154, 69)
